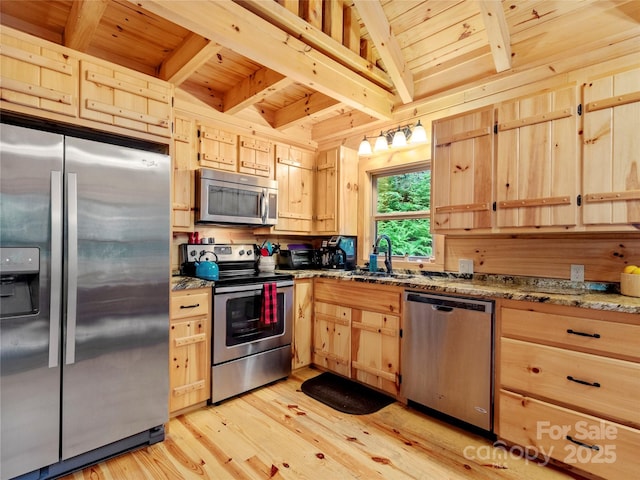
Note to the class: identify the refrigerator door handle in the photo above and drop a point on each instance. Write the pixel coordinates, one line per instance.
(56, 268)
(72, 267)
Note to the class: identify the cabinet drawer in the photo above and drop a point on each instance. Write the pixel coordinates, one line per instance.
(600, 385)
(532, 423)
(619, 340)
(189, 304)
(366, 297)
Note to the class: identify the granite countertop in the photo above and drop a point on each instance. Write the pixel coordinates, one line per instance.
(593, 295)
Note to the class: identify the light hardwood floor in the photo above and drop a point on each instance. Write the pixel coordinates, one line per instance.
(279, 432)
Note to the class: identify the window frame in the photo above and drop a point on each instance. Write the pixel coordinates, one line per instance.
(416, 158)
(418, 214)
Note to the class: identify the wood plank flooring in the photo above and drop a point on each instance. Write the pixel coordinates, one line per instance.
(279, 432)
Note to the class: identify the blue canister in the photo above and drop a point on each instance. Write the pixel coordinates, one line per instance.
(373, 262)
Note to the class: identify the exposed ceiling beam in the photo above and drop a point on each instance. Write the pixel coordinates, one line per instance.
(300, 111)
(498, 32)
(388, 47)
(82, 23)
(290, 22)
(236, 28)
(194, 52)
(252, 89)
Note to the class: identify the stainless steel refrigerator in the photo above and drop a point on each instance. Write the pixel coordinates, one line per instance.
(84, 300)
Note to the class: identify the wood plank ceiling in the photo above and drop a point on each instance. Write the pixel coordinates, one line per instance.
(298, 65)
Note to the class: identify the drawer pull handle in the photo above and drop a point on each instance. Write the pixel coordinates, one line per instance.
(582, 444)
(190, 306)
(583, 334)
(582, 382)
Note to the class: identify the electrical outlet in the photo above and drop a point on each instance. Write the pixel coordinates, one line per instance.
(465, 265)
(577, 273)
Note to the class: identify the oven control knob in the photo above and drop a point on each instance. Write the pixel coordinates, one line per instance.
(249, 252)
(241, 252)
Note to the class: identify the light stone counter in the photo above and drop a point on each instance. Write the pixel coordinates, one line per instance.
(593, 295)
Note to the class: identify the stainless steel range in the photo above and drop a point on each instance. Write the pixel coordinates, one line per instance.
(247, 351)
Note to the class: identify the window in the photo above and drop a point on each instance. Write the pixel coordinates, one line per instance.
(401, 210)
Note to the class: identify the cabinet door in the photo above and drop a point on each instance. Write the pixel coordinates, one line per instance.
(37, 76)
(124, 98)
(462, 172)
(294, 173)
(326, 198)
(537, 170)
(348, 192)
(217, 149)
(332, 337)
(256, 157)
(611, 184)
(189, 363)
(375, 350)
(302, 323)
(183, 176)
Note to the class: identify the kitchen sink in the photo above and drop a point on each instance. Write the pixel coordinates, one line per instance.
(381, 275)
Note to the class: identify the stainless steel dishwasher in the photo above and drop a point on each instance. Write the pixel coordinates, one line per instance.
(447, 356)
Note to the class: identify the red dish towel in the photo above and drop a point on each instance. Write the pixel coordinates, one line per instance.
(269, 311)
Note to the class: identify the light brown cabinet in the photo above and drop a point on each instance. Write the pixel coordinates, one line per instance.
(462, 172)
(189, 349)
(538, 160)
(336, 192)
(357, 331)
(37, 75)
(255, 157)
(295, 175)
(183, 154)
(302, 323)
(611, 175)
(569, 385)
(217, 148)
(115, 96)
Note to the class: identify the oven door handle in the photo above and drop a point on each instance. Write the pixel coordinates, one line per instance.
(250, 288)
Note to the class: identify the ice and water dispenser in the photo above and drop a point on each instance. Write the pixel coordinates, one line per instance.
(19, 281)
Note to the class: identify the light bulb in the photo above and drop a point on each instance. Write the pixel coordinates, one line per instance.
(419, 134)
(399, 139)
(381, 144)
(365, 147)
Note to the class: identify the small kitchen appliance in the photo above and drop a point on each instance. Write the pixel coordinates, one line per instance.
(339, 252)
(299, 259)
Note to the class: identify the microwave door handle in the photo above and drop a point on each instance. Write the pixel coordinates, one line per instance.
(264, 206)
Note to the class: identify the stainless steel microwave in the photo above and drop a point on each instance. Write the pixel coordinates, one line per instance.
(234, 199)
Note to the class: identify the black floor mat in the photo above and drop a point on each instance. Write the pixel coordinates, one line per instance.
(344, 395)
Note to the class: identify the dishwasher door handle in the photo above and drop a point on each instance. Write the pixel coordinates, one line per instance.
(442, 308)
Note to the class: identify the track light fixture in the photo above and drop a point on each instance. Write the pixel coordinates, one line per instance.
(394, 138)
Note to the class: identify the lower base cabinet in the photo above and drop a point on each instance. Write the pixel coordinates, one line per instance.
(357, 332)
(569, 386)
(189, 349)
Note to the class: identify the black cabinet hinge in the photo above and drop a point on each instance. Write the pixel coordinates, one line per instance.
(495, 128)
(198, 156)
(579, 200)
(494, 207)
(198, 133)
(399, 379)
(579, 109)
(400, 333)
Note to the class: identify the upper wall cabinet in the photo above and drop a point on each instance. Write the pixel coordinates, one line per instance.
(114, 96)
(537, 160)
(217, 148)
(255, 157)
(336, 186)
(183, 156)
(44, 78)
(294, 173)
(611, 184)
(462, 172)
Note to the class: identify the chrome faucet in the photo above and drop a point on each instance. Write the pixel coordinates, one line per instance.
(387, 254)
